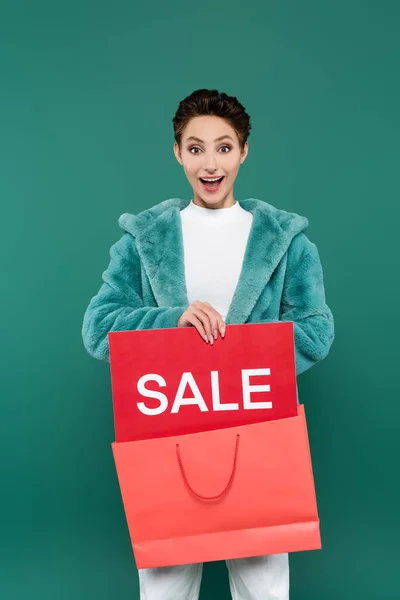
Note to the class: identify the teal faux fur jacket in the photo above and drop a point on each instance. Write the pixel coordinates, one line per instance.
(144, 284)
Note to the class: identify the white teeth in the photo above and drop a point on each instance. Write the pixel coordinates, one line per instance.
(215, 179)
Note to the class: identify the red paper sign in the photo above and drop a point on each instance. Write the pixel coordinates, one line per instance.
(170, 382)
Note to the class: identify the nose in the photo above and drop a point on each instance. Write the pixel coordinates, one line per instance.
(210, 163)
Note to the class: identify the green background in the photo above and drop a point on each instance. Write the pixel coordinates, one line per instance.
(87, 93)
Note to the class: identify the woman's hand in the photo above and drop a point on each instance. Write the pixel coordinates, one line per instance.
(205, 318)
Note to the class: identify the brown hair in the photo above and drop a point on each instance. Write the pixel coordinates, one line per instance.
(211, 102)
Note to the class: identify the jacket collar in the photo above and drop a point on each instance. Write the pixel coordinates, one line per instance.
(158, 236)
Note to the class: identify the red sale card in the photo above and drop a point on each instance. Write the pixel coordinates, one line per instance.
(168, 382)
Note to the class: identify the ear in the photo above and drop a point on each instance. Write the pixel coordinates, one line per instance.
(177, 153)
(244, 152)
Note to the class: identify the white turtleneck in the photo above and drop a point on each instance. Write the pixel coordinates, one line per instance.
(214, 243)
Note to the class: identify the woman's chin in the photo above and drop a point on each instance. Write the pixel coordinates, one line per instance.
(221, 200)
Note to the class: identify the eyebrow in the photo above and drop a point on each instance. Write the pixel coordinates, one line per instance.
(196, 139)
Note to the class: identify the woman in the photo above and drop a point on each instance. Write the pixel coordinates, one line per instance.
(207, 263)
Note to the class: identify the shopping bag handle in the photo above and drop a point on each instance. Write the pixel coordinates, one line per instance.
(228, 485)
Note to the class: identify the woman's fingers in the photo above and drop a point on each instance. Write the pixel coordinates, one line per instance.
(221, 326)
(213, 316)
(197, 323)
(215, 320)
(206, 319)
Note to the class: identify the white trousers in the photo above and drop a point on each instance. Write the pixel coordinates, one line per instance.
(258, 578)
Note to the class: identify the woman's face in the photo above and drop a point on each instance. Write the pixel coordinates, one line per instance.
(210, 150)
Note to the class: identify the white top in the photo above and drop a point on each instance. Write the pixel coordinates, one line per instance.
(214, 243)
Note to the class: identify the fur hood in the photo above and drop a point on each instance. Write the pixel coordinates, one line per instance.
(290, 223)
(158, 238)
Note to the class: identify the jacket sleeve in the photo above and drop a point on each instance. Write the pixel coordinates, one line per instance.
(118, 305)
(303, 302)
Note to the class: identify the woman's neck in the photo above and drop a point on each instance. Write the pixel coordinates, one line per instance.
(226, 202)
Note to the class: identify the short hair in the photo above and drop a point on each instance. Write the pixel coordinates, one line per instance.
(211, 102)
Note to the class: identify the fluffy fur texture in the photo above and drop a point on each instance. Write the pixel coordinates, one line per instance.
(144, 284)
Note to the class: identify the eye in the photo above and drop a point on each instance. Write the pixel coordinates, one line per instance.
(227, 147)
(193, 148)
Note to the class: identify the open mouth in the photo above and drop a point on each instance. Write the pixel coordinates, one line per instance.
(211, 184)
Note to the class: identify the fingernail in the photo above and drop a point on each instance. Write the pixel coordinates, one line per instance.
(211, 340)
(223, 331)
(206, 338)
(215, 333)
